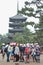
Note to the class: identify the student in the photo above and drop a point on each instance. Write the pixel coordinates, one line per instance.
(38, 53)
(33, 54)
(2, 50)
(26, 54)
(8, 47)
(17, 52)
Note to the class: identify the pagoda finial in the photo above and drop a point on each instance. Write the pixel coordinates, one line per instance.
(17, 6)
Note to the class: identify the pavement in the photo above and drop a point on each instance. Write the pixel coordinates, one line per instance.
(4, 62)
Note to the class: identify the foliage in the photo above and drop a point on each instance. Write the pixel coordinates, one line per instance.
(25, 37)
(30, 11)
(39, 32)
(4, 39)
(18, 37)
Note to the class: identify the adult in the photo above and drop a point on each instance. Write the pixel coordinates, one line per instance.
(8, 51)
(2, 50)
(17, 52)
(38, 53)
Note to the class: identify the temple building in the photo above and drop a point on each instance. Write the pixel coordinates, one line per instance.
(15, 23)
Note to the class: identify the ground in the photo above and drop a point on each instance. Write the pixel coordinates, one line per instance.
(3, 62)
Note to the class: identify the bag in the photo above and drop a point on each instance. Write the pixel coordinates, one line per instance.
(6, 49)
(26, 50)
(37, 53)
(11, 57)
(1, 51)
(33, 53)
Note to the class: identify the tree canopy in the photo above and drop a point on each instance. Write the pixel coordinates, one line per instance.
(35, 9)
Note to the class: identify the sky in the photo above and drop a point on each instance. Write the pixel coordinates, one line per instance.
(8, 8)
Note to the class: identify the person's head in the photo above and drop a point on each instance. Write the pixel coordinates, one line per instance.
(3, 44)
(17, 44)
(11, 45)
(8, 43)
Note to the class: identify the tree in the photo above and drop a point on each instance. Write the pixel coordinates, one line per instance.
(0, 40)
(4, 39)
(18, 37)
(25, 37)
(30, 11)
(39, 31)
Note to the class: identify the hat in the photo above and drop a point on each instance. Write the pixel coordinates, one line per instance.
(3, 44)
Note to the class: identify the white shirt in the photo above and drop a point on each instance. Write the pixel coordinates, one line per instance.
(17, 50)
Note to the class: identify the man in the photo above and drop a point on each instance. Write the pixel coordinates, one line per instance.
(38, 53)
(8, 50)
(2, 50)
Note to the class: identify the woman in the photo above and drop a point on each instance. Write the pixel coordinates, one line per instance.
(17, 52)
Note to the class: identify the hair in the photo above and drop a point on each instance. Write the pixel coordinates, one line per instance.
(8, 43)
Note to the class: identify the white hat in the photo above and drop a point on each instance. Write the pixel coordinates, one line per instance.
(20, 44)
(3, 43)
(27, 45)
(24, 45)
(36, 43)
(38, 46)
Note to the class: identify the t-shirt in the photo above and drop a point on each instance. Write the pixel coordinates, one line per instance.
(9, 48)
(37, 51)
(17, 50)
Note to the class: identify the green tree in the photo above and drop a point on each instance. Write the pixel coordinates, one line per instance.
(30, 11)
(25, 37)
(18, 37)
(39, 31)
(4, 39)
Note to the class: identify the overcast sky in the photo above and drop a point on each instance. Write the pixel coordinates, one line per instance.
(8, 8)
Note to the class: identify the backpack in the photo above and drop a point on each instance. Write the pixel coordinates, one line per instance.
(26, 50)
(6, 49)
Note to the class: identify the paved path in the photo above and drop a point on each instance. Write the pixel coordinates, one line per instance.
(3, 62)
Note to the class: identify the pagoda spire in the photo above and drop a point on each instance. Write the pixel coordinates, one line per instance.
(17, 6)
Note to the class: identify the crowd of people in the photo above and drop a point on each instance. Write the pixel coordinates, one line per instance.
(21, 52)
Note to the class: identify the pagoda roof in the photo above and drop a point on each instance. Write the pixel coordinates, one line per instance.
(18, 16)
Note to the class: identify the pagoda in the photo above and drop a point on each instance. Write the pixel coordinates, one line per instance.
(15, 23)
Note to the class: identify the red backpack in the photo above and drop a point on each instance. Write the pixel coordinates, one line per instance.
(26, 50)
